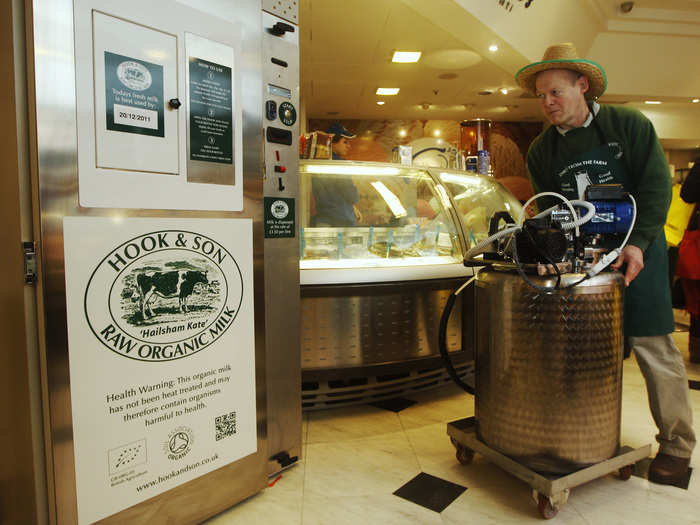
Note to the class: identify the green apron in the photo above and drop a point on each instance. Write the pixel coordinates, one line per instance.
(648, 308)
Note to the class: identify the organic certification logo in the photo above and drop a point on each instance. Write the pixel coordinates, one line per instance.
(134, 75)
(163, 295)
(279, 209)
(179, 443)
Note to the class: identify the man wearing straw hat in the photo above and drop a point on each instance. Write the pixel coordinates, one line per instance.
(592, 144)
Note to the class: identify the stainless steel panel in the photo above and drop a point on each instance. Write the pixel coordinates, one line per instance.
(549, 369)
(282, 258)
(51, 58)
(377, 325)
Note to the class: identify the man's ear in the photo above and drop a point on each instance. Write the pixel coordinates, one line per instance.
(582, 82)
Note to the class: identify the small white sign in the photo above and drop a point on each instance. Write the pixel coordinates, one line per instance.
(162, 354)
(130, 116)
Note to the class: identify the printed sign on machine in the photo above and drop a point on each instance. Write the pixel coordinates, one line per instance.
(161, 348)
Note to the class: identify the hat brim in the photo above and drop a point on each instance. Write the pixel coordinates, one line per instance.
(597, 80)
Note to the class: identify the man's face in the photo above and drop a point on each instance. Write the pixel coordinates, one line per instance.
(562, 96)
(341, 147)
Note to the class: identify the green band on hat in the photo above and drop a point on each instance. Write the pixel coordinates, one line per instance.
(567, 61)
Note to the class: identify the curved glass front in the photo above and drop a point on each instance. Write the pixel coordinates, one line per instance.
(477, 198)
(367, 215)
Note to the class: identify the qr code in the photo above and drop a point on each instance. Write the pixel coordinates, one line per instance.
(225, 425)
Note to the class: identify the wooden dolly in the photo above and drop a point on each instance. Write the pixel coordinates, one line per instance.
(550, 493)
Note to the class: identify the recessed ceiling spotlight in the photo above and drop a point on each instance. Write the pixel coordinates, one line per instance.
(493, 48)
(696, 100)
(387, 91)
(402, 133)
(652, 102)
(406, 57)
(436, 133)
(504, 91)
(380, 102)
(485, 92)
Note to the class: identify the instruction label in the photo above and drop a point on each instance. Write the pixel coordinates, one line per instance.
(279, 217)
(211, 114)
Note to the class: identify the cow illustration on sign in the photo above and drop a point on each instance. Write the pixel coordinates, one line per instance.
(164, 291)
(175, 283)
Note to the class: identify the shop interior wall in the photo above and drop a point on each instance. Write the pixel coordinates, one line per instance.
(681, 161)
(376, 139)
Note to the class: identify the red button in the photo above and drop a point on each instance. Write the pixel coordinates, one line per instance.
(280, 169)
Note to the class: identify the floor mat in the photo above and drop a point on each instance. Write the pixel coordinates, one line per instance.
(430, 492)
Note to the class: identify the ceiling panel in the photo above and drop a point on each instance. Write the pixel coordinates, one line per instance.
(346, 48)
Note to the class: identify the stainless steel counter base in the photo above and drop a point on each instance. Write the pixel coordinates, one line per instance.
(362, 343)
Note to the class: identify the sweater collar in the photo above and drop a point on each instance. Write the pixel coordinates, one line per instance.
(593, 108)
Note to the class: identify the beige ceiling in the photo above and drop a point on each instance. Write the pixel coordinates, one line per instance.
(346, 49)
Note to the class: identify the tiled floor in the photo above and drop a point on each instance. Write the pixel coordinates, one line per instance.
(355, 458)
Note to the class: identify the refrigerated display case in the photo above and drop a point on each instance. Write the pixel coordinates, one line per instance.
(381, 248)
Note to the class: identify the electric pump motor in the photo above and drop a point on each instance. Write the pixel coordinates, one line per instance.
(550, 239)
(541, 241)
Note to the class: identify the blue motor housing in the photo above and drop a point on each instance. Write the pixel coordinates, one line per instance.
(610, 217)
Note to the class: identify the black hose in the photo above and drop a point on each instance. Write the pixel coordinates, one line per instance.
(442, 343)
(441, 150)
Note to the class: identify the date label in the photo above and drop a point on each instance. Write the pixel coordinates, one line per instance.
(131, 116)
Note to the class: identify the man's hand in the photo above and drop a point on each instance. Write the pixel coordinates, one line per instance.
(634, 258)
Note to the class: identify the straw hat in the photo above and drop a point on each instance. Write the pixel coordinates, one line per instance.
(564, 56)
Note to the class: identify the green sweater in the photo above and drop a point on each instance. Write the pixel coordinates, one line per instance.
(648, 172)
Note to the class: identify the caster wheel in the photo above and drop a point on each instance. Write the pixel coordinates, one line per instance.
(626, 472)
(547, 510)
(464, 455)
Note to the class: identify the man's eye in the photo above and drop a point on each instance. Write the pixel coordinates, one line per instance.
(540, 95)
(556, 93)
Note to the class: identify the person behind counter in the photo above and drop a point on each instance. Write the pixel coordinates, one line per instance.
(335, 198)
(618, 145)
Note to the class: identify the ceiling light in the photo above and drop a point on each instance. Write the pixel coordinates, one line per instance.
(652, 102)
(504, 91)
(380, 102)
(696, 100)
(402, 133)
(387, 91)
(493, 48)
(436, 133)
(406, 57)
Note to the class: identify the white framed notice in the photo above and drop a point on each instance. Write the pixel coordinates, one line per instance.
(133, 105)
(162, 354)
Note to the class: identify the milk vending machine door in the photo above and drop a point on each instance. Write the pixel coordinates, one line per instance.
(149, 224)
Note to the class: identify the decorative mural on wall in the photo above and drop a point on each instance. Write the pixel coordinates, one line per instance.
(375, 140)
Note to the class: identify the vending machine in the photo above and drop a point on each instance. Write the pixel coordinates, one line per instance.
(157, 231)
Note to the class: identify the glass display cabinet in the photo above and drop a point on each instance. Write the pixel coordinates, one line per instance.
(381, 248)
